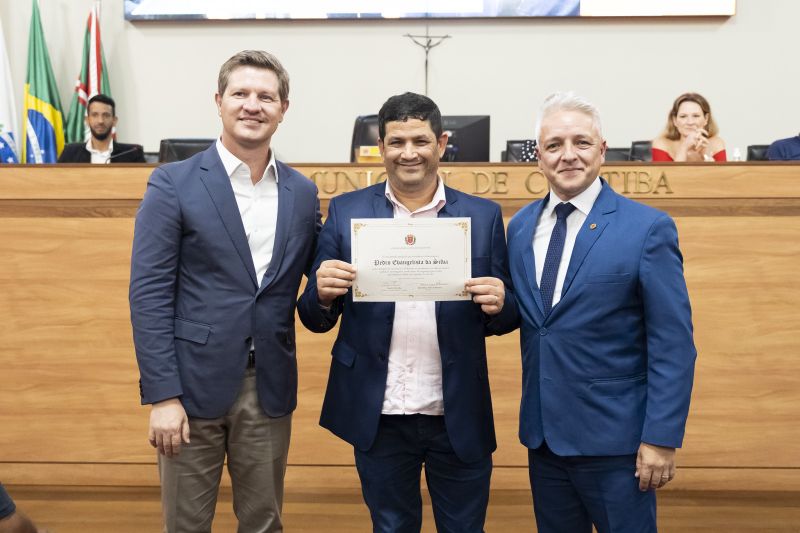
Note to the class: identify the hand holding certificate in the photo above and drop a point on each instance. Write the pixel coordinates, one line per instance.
(424, 259)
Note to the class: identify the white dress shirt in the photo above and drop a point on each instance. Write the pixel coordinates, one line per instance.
(414, 381)
(544, 228)
(99, 157)
(258, 205)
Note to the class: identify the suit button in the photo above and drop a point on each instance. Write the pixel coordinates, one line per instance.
(543, 332)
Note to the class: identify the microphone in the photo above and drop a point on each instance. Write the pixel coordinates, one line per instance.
(124, 152)
(451, 150)
(450, 153)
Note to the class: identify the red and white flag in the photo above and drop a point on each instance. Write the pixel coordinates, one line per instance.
(92, 80)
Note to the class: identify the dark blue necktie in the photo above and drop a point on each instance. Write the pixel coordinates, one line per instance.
(553, 258)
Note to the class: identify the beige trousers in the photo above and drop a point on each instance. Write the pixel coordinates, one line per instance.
(256, 446)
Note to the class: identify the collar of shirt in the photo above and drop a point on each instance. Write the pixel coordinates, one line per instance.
(233, 165)
(436, 203)
(582, 202)
(92, 150)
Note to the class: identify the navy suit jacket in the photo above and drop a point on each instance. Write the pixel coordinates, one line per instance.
(195, 302)
(357, 380)
(785, 149)
(612, 365)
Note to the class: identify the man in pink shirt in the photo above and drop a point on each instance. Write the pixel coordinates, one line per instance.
(408, 384)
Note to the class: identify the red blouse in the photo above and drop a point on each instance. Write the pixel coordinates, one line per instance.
(661, 155)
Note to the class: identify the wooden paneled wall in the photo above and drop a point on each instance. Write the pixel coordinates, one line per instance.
(69, 402)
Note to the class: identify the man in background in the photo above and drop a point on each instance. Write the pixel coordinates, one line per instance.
(785, 149)
(101, 118)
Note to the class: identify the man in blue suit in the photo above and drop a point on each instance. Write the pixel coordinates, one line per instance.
(221, 243)
(785, 149)
(408, 382)
(607, 349)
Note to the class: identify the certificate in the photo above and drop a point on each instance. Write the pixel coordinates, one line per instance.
(402, 259)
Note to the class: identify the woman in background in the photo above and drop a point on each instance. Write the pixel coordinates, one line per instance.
(691, 133)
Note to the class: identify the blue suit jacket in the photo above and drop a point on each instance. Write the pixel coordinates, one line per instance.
(195, 302)
(357, 380)
(612, 365)
(785, 149)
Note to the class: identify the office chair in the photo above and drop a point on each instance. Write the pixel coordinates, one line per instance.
(180, 149)
(617, 154)
(640, 151)
(519, 151)
(365, 133)
(757, 152)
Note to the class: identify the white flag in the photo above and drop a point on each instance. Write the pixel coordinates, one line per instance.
(8, 114)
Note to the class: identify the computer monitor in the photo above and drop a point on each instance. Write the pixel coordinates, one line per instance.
(469, 138)
(180, 149)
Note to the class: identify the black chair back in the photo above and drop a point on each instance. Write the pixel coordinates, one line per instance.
(519, 151)
(617, 154)
(180, 149)
(640, 151)
(757, 152)
(365, 133)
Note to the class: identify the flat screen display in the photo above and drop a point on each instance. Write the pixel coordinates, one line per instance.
(417, 9)
(468, 138)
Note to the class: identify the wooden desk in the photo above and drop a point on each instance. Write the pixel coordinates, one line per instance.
(69, 401)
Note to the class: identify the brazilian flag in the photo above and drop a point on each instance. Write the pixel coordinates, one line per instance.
(42, 121)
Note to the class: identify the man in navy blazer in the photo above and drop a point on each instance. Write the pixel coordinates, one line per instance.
(607, 348)
(221, 243)
(785, 149)
(408, 382)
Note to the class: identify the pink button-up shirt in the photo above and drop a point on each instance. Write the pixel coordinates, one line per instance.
(414, 382)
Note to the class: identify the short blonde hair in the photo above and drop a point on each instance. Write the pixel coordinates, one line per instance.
(257, 59)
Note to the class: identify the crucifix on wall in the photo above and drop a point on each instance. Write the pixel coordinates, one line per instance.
(427, 42)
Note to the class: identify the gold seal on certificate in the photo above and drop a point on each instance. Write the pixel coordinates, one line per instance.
(402, 259)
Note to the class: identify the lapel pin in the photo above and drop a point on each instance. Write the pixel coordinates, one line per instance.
(592, 226)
